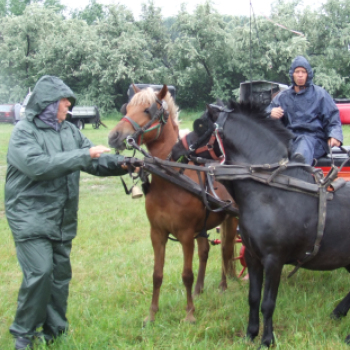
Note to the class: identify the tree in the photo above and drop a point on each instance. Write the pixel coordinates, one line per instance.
(157, 40)
(91, 14)
(329, 50)
(199, 54)
(19, 43)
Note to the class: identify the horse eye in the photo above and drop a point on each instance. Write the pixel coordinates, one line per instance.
(146, 111)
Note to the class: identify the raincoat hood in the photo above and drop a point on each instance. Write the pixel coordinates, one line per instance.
(301, 61)
(48, 89)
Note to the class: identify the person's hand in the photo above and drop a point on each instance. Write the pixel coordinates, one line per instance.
(332, 142)
(277, 113)
(135, 162)
(96, 151)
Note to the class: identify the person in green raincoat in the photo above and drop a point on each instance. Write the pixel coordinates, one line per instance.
(45, 157)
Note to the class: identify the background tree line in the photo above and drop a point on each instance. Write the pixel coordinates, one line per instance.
(100, 50)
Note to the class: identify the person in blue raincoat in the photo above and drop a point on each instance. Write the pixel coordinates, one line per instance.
(309, 112)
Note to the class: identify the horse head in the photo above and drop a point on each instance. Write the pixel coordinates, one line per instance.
(238, 132)
(144, 117)
(200, 143)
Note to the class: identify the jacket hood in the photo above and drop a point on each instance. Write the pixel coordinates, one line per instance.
(48, 89)
(301, 61)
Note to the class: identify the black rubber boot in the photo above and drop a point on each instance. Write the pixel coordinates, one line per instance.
(23, 343)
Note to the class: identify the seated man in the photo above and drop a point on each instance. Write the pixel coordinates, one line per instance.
(309, 112)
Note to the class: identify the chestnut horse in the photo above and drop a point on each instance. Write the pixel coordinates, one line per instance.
(171, 209)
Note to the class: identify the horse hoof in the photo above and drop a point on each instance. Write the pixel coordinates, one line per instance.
(147, 321)
(347, 340)
(336, 316)
(222, 286)
(247, 339)
(197, 292)
(190, 319)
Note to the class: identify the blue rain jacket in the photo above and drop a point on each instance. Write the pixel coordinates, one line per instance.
(310, 112)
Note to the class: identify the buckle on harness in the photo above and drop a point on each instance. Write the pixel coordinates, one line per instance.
(283, 161)
(211, 169)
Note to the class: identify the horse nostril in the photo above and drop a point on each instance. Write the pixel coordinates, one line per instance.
(112, 138)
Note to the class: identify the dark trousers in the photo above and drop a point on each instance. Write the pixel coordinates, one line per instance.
(309, 147)
(42, 298)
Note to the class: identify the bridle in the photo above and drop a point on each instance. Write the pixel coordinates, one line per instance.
(159, 119)
(215, 134)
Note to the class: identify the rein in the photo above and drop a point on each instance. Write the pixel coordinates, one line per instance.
(269, 174)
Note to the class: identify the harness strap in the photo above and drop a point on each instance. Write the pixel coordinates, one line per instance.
(322, 210)
(210, 148)
(189, 185)
(184, 142)
(132, 122)
(203, 232)
(159, 119)
(237, 172)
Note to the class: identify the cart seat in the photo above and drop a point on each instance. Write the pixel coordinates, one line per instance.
(338, 156)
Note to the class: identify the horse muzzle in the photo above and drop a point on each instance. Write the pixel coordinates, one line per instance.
(116, 140)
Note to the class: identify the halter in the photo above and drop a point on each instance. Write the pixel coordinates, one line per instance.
(157, 122)
(216, 134)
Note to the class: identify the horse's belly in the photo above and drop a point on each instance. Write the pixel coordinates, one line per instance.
(183, 212)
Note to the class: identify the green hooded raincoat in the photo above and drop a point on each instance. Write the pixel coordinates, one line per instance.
(41, 201)
(42, 182)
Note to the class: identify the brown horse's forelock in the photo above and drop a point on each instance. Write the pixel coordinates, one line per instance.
(148, 96)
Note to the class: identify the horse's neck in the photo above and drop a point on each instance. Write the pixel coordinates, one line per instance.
(252, 144)
(161, 148)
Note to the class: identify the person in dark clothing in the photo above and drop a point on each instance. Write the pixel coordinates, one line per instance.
(309, 112)
(45, 157)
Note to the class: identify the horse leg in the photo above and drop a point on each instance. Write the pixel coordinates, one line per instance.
(203, 253)
(256, 271)
(273, 270)
(187, 276)
(228, 233)
(343, 307)
(159, 241)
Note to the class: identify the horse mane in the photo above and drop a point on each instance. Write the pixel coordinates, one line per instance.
(257, 113)
(148, 96)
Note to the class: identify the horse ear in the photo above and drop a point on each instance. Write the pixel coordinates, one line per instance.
(213, 113)
(123, 109)
(220, 103)
(200, 126)
(161, 94)
(135, 88)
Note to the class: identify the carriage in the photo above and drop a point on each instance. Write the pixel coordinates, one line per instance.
(263, 91)
(82, 115)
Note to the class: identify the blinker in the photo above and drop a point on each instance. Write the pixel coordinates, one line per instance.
(200, 126)
(123, 109)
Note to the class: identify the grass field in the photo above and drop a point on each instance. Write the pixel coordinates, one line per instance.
(110, 293)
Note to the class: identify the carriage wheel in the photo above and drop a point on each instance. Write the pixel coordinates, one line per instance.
(80, 124)
(241, 258)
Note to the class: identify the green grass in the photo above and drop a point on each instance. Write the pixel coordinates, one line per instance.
(111, 289)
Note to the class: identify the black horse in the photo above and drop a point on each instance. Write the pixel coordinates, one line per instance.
(278, 225)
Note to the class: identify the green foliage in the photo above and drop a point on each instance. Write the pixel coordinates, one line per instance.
(91, 14)
(329, 48)
(100, 50)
